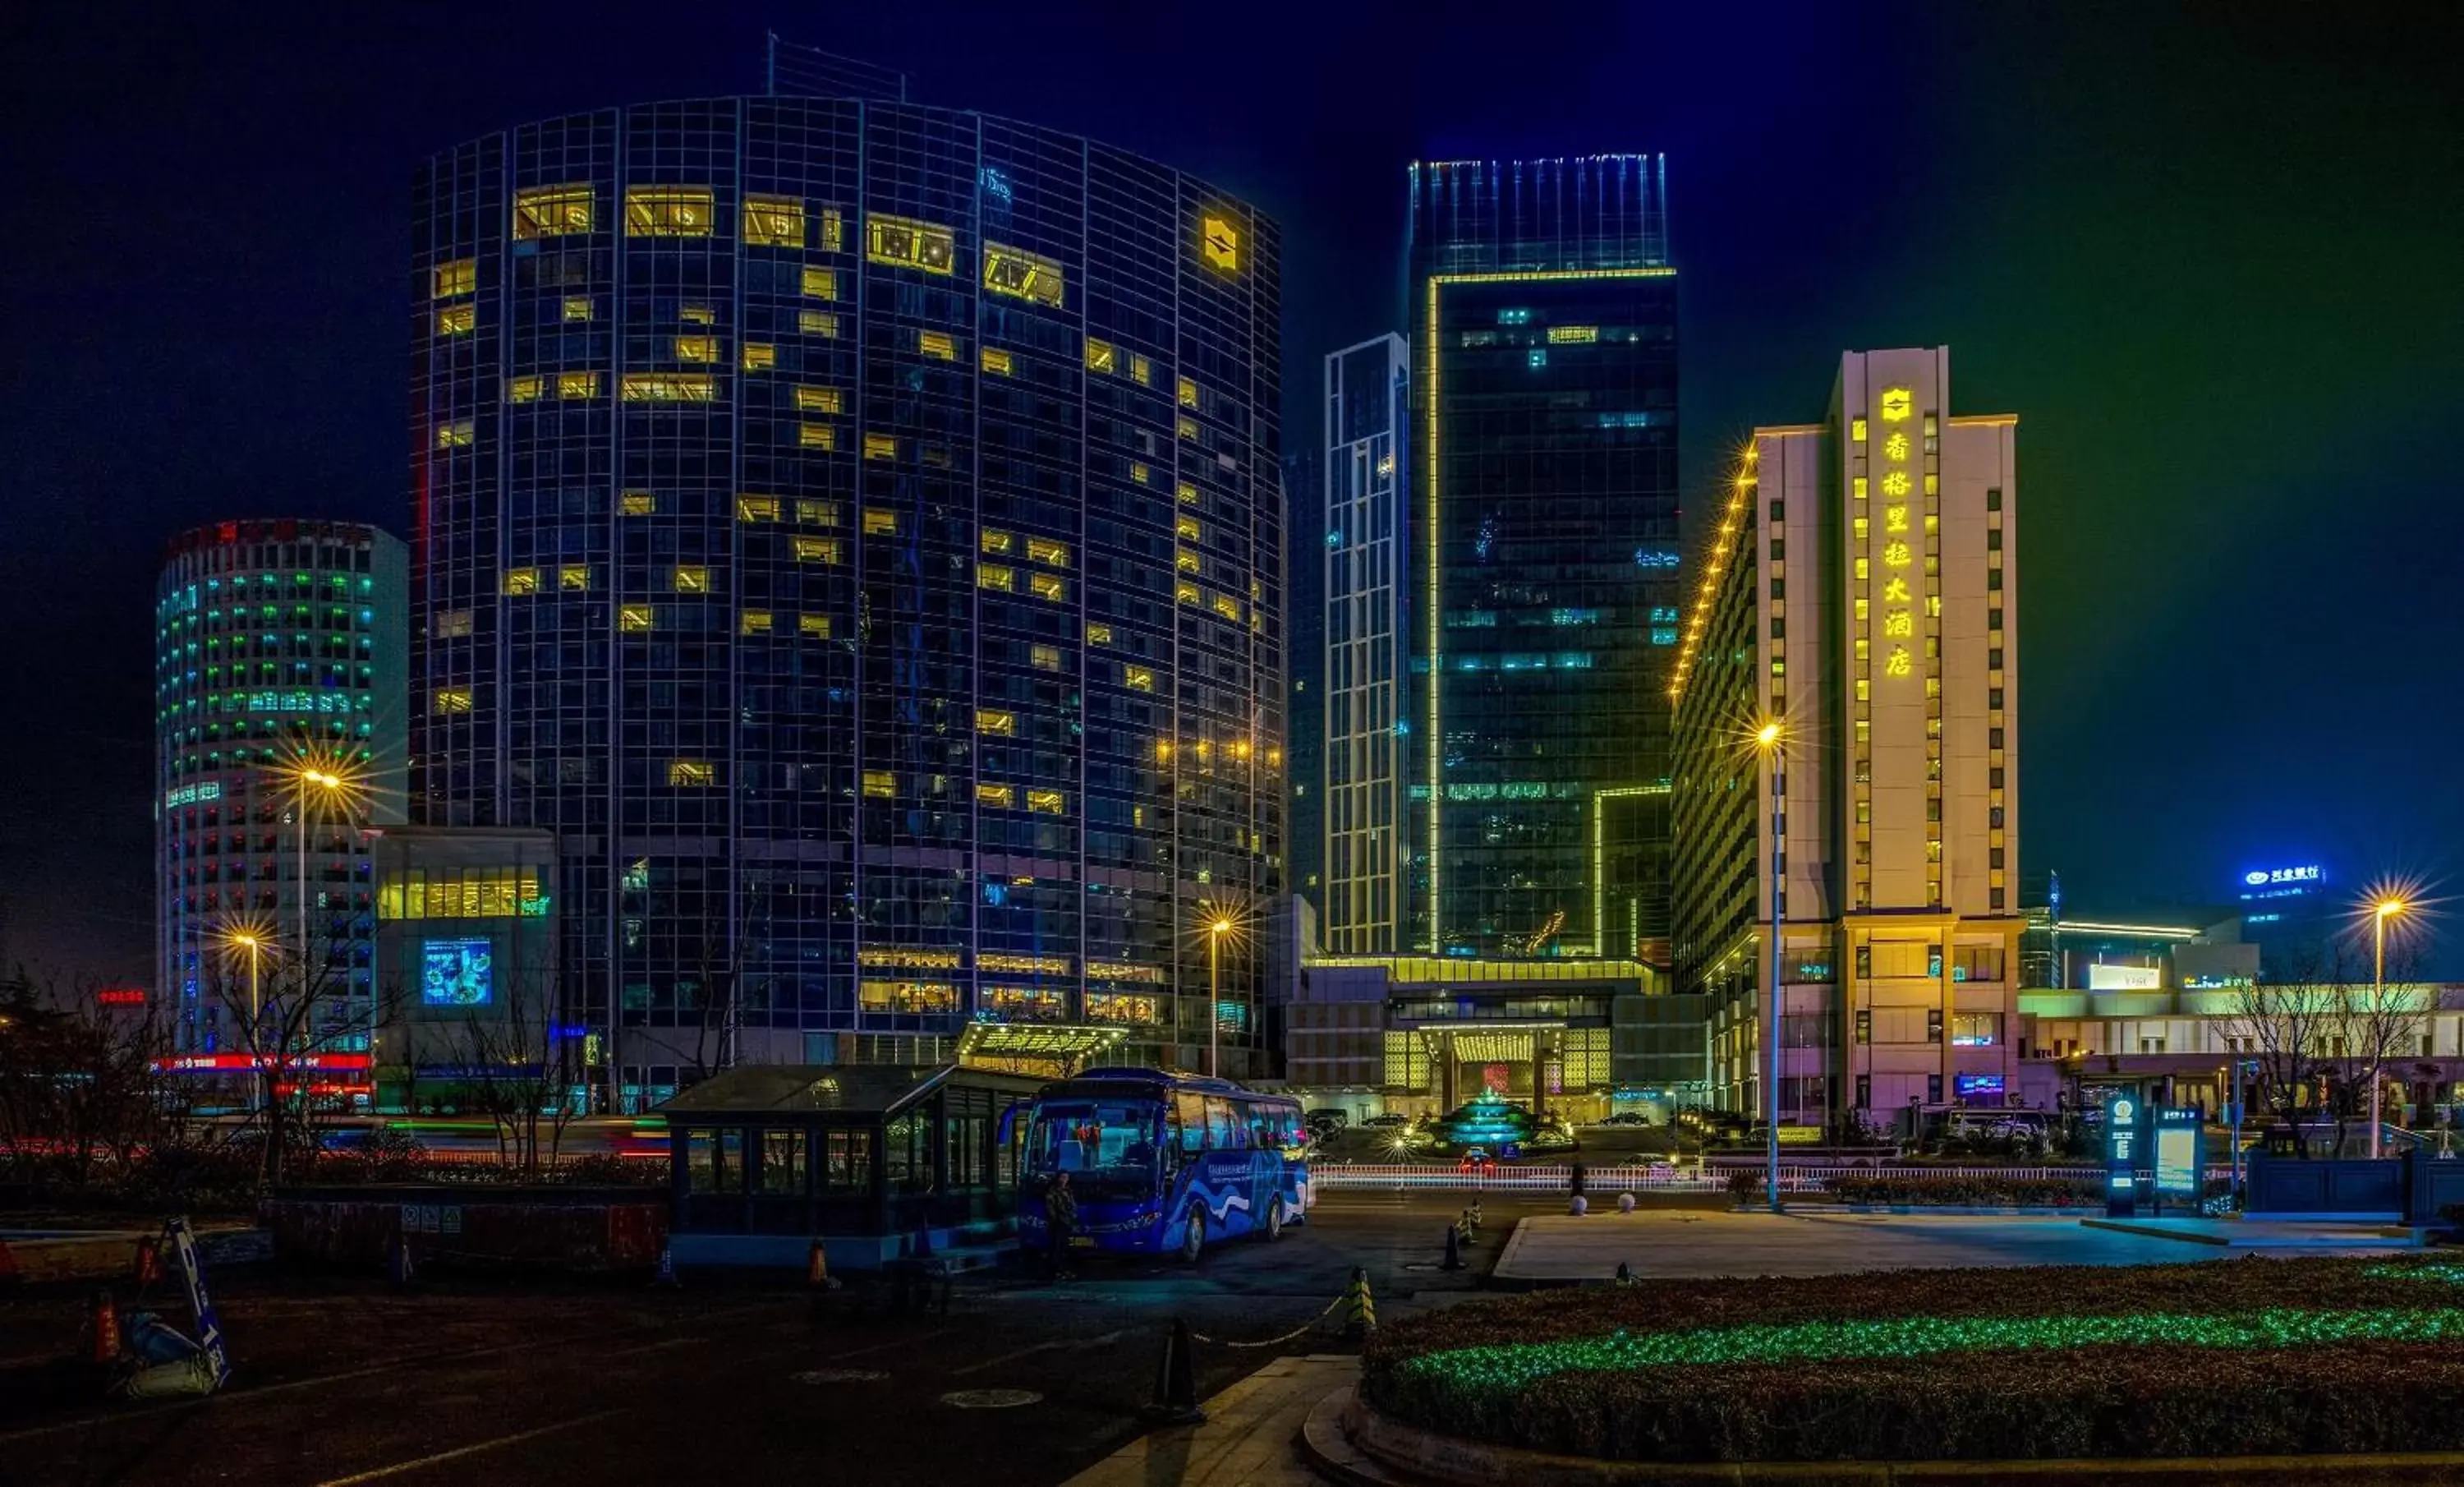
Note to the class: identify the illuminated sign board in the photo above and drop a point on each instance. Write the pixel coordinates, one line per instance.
(190, 794)
(2178, 1157)
(457, 972)
(1966, 1085)
(2123, 1111)
(2124, 978)
(119, 996)
(238, 1063)
(2283, 882)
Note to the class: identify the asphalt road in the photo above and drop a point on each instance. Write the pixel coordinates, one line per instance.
(341, 1381)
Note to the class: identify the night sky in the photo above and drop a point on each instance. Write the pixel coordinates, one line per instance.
(2211, 261)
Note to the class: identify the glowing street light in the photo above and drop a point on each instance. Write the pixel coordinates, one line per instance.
(1215, 933)
(1771, 743)
(334, 777)
(2388, 907)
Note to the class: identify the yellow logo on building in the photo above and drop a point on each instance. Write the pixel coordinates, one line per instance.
(1220, 243)
(1897, 404)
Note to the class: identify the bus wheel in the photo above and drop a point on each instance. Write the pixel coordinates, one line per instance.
(1193, 1238)
(1274, 1218)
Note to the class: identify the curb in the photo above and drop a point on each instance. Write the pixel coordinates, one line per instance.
(1351, 1443)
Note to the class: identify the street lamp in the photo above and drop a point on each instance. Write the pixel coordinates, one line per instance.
(1773, 748)
(2384, 909)
(1215, 933)
(255, 941)
(308, 780)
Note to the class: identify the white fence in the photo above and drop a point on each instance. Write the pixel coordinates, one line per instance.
(1610, 1181)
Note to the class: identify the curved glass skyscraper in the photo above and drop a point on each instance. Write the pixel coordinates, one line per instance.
(853, 527)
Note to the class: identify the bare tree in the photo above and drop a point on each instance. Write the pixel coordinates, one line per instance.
(2282, 1021)
(291, 1014)
(2383, 1022)
(514, 1065)
(82, 1089)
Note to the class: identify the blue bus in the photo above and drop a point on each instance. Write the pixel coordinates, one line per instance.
(1164, 1164)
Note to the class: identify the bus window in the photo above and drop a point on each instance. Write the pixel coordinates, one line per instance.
(1192, 1110)
(1224, 1131)
(1107, 1138)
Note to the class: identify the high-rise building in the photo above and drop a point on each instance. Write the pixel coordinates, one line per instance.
(1305, 769)
(1365, 715)
(1544, 330)
(1860, 593)
(279, 696)
(853, 527)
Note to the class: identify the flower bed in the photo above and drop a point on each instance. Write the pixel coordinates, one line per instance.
(2238, 1357)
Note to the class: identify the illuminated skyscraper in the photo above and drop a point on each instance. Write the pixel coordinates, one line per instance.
(1367, 560)
(1861, 592)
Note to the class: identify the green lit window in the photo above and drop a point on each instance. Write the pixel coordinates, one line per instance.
(551, 211)
(909, 243)
(460, 277)
(668, 211)
(773, 222)
(1021, 274)
(1573, 335)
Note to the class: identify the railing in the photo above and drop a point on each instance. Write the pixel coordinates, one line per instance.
(1608, 1181)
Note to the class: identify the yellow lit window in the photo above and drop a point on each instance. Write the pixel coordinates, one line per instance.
(818, 513)
(578, 307)
(757, 508)
(1047, 586)
(879, 783)
(1138, 679)
(669, 387)
(1163, 751)
(1001, 798)
(458, 278)
(1857, 429)
(524, 389)
(817, 323)
(817, 626)
(1021, 274)
(633, 618)
(1139, 473)
(816, 549)
(1187, 529)
(577, 385)
(819, 400)
(991, 576)
(937, 345)
(878, 522)
(696, 348)
(1185, 593)
(668, 211)
(637, 503)
(1099, 634)
(697, 315)
(760, 356)
(1186, 428)
(1050, 802)
(1186, 561)
(1857, 487)
(1186, 492)
(1100, 355)
(1218, 242)
(880, 446)
(1863, 568)
(754, 622)
(816, 435)
(457, 319)
(452, 700)
(996, 542)
(820, 284)
(833, 229)
(1141, 370)
(456, 434)
(1044, 657)
(690, 773)
(574, 578)
(1228, 606)
(1932, 484)
(1001, 724)
(996, 361)
(551, 211)
(1572, 335)
(693, 579)
(909, 243)
(1044, 549)
(773, 221)
(1188, 392)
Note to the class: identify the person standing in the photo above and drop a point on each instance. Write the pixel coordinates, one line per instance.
(1060, 1221)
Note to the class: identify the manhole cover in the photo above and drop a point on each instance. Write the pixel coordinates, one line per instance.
(992, 1398)
(840, 1376)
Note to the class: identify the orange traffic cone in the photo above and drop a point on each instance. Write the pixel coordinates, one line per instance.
(817, 1269)
(106, 1328)
(149, 1261)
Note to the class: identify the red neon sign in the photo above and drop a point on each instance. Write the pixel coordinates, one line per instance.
(241, 1063)
(121, 997)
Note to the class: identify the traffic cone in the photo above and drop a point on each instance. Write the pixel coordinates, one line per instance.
(1474, 1212)
(1360, 1308)
(666, 1276)
(817, 1269)
(399, 1268)
(1176, 1401)
(105, 1334)
(149, 1261)
(1625, 1275)
(1453, 1251)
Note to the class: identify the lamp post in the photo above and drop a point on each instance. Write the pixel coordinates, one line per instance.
(1215, 933)
(1768, 740)
(2384, 909)
(253, 943)
(307, 782)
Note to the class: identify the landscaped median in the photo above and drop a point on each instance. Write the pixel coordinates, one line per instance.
(2235, 1359)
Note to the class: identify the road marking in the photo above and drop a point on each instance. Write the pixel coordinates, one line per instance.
(459, 1452)
(894, 1343)
(652, 1348)
(1039, 1348)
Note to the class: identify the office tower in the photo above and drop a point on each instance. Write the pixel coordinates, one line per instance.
(1366, 560)
(1304, 581)
(279, 679)
(1544, 325)
(853, 529)
(1859, 592)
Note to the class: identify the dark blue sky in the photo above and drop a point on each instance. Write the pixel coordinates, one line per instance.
(2208, 257)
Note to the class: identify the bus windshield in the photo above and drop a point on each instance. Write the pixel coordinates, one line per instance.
(1107, 1141)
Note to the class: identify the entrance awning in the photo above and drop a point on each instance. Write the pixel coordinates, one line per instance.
(1054, 1050)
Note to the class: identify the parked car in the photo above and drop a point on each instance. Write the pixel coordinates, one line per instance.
(1627, 1117)
(1336, 1118)
(1385, 1121)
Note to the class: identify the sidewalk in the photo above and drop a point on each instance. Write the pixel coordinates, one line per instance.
(2263, 1233)
(1250, 1433)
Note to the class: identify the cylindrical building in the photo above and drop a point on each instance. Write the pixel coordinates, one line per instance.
(853, 527)
(280, 678)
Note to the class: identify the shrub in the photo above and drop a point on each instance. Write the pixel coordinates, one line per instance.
(1746, 1184)
(1984, 1193)
(606, 1169)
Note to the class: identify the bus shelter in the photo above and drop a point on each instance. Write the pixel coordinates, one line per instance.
(875, 1161)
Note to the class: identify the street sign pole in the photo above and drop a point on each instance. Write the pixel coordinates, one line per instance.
(2122, 1114)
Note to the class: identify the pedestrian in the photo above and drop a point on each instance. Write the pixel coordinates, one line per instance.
(1579, 1179)
(1060, 1218)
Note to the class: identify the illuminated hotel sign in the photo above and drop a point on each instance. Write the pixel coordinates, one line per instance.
(2281, 883)
(190, 794)
(1899, 612)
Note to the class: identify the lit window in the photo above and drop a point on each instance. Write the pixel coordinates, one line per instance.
(1044, 657)
(1047, 586)
(457, 319)
(880, 446)
(1188, 389)
(991, 576)
(637, 503)
(757, 508)
(458, 278)
(457, 435)
(1049, 802)
(817, 626)
(667, 211)
(697, 315)
(1141, 370)
(452, 700)
(909, 243)
(878, 522)
(1187, 529)
(452, 624)
(551, 211)
(996, 542)
(1001, 798)
(816, 435)
(937, 345)
(817, 323)
(819, 400)
(1572, 335)
(577, 385)
(669, 387)
(1044, 549)
(760, 356)
(1099, 634)
(1186, 561)
(773, 221)
(1857, 429)
(878, 784)
(524, 389)
(1001, 725)
(1100, 355)
(1021, 274)
(1186, 428)
(690, 773)
(818, 513)
(1185, 493)
(1218, 242)
(521, 581)
(816, 549)
(574, 577)
(754, 622)
(1139, 473)
(578, 307)
(1185, 593)
(996, 361)
(1228, 606)
(820, 284)
(633, 618)
(833, 229)
(1138, 679)
(696, 348)
(693, 579)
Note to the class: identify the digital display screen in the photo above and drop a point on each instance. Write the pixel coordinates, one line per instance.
(457, 973)
(1976, 1084)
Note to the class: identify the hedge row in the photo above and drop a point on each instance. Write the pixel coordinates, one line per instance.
(2027, 1192)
